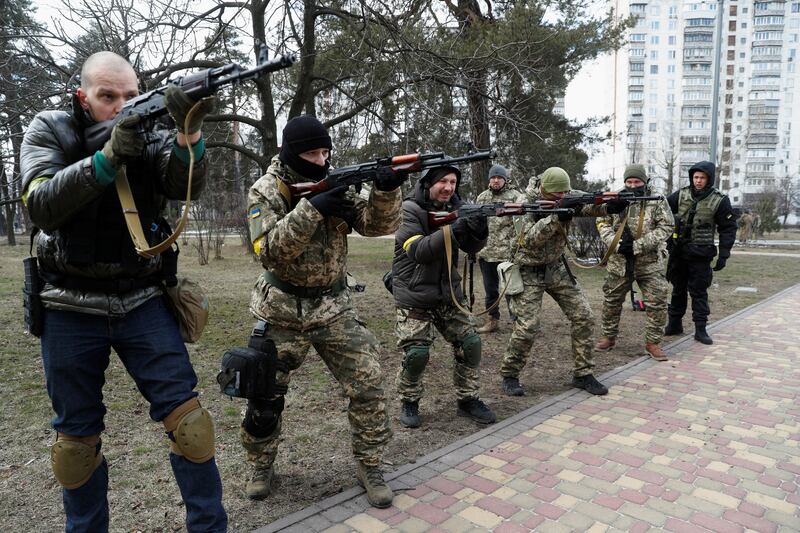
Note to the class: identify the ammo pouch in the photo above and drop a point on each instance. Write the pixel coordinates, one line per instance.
(186, 299)
(387, 281)
(31, 299)
(510, 278)
(250, 372)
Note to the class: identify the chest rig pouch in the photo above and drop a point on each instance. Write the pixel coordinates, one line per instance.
(249, 372)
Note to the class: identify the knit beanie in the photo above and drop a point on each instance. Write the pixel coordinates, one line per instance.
(555, 179)
(302, 134)
(635, 171)
(436, 173)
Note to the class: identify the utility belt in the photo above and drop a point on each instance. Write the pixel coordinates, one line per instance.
(108, 286)
(545, 272)
(305, 292)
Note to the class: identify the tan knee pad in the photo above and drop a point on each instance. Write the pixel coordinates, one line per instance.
(191, 431)
(74, 459)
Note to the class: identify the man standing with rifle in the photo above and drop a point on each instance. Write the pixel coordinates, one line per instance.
(302, 300)
(100, 294)
(498, 246)
(428, 294)
(640, 254)
(700, 212)
(539, 252)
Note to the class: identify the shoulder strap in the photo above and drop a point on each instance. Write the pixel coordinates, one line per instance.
(448, 250)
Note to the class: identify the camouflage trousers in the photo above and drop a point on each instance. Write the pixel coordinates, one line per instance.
(654, 291)
(416, 328)
(555, 281)
(350, 351)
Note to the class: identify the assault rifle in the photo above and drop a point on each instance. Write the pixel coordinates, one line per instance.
(150, 105)
(599, 198)
(500, 209)
(385, 166)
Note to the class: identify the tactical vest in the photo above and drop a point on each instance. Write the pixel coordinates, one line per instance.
(702, 228)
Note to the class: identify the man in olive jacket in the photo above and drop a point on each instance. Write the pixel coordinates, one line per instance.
(422, 292)
(100, 294)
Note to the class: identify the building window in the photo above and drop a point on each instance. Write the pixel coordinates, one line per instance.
(731, 55)
(733, 11)
(671, 69)
(654, 25)
(732, 25)
(653, 69)
(637, 37)
(654, 39)
(652, 126)
(654, 54)
(672, 40)
(795, 7)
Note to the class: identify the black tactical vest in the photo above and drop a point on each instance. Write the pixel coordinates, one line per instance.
(702, 228)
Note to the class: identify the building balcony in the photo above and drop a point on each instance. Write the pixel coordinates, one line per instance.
(762, 139)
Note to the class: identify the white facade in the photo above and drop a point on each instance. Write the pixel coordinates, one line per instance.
(664, 85)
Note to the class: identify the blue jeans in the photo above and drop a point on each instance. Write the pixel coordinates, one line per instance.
(76, 349)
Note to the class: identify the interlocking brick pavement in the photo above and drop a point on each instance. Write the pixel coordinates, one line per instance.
(709, 441)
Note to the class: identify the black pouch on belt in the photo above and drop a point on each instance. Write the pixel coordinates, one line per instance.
(31, 299)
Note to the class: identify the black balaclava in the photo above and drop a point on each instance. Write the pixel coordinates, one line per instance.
(302, 134)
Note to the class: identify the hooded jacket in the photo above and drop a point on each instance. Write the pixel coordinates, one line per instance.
(419, 268)
(83, 232)
(701, 214)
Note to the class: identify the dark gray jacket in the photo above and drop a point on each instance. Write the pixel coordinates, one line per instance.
(70, 203)
(419, 268)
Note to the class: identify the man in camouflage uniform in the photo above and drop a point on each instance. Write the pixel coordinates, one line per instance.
(304, 301)
(640, 255)
(540, 255)
(423, 292)
(498, 245)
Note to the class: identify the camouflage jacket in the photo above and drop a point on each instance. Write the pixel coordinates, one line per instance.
(541, 241)
(301, 247)
(650, 248)
(501, 229)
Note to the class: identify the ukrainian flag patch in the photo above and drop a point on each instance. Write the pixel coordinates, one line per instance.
(255, 213)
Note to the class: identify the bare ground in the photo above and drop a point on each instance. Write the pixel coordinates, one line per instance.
(315, 459)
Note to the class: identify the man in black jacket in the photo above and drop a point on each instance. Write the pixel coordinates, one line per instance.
(100, 294)
(424, 291)
(700, 212)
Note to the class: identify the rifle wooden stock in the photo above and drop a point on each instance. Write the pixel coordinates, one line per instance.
(544, 207)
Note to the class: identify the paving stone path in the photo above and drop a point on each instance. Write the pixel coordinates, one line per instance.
(709, 441)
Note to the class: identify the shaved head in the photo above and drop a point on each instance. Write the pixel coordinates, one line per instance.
(108, 62)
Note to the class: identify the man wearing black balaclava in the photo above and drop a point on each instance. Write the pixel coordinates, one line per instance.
(301, 300)
(700, 212)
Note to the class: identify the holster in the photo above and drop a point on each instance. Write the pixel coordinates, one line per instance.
(249, 372)
(31, 299)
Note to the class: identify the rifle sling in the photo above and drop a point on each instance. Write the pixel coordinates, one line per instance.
(448, 250)
(612, 248)
(131, 214)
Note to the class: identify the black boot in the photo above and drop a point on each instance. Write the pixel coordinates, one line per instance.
(476, 410)
(700, 334)
(674, 326)
(512, 387)
(590, 384)
(409, 414)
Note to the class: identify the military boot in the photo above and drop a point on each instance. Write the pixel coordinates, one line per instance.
(260, 484)
(409, 414)
(605, 343)
(590, 384)
(655, 351)
(512, 387)
(674, 327)
(378, 492)
(490, 326)
(476, 410)
(701, 335)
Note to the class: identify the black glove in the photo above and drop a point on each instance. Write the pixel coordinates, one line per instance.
(179, 104)
(388, 179)
(720, 264)
(478, 226)
(460, 229)
(625, 246)
(125, 142)
(615, 207)
(333, 203)
(565, 216)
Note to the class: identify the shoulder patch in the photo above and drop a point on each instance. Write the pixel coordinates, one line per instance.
(255, 213)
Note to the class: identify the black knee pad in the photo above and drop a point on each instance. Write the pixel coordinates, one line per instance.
(262, 416)
(416, 360)
(471, 349)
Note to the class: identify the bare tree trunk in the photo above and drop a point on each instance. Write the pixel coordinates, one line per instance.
(269, 139)
(304, 97)
(9, 207)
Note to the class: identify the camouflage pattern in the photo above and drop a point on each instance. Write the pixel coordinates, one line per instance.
(542, 241)
(501, 229)
(350, 351)
(303, 248)
(650, 253)
(416, 328)
(554, 280)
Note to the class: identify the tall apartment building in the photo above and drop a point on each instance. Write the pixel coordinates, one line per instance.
(664, 84)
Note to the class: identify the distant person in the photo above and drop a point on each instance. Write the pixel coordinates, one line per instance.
(543, 267)
(421, 288)
(100, 294)
(745, 227)
(499, 244)
(640, 256)
(701, 211)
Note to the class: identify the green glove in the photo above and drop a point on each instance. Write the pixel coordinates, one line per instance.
(179, 104)
(124, 143)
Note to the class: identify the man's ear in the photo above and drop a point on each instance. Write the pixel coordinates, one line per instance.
(82, 98)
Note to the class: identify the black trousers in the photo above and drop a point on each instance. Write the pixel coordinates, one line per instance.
(491, 284)
(693, 277)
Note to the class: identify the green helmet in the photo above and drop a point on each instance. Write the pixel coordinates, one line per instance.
(555, 179)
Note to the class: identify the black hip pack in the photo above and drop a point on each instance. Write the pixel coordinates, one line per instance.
(249, 372)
